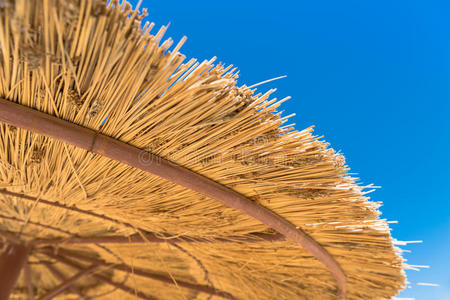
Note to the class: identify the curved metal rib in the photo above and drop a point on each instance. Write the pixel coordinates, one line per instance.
(38, 122)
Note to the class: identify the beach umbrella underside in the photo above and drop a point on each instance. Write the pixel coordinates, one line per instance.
(128, 171)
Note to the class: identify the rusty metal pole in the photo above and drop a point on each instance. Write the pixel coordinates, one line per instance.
(12, 260)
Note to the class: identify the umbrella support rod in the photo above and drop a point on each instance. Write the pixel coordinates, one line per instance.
(59, 205)
(104, 279)
(64, 254)
(68, 283)
(62, 278)
(153, 238)
(142, 237)
(91, 140)
(12, 259)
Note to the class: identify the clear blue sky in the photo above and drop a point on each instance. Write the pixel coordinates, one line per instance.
(373, 76)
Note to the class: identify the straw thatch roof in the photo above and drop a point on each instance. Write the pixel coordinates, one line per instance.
(96, 66)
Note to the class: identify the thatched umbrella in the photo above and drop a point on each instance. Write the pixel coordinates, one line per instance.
(127, 172)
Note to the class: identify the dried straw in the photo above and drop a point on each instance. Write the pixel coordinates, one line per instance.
(94, 64)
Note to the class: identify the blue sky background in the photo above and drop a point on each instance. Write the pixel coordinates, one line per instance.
(373, 76)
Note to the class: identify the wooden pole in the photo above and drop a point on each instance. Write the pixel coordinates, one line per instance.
(12, 259)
